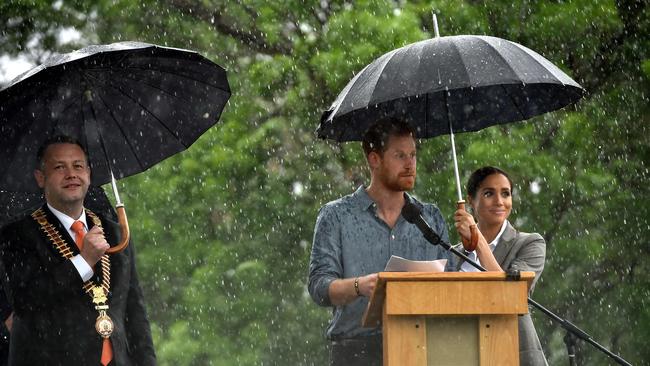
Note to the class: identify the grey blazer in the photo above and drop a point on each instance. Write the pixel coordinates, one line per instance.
(525, 252)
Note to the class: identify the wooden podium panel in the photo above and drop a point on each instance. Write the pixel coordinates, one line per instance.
(449, 318)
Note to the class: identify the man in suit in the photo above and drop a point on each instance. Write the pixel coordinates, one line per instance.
(61, 285)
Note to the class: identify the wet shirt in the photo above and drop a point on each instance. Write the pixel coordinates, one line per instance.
(350, 240)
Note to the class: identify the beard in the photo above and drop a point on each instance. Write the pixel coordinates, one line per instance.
(399, 183)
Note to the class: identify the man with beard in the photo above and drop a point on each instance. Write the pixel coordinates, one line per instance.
(357, 234)
(72, 303)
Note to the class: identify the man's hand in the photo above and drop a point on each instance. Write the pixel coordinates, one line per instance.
(367, 284)
(9, 321)
(95, 245)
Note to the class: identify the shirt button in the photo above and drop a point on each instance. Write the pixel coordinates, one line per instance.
(392, 237)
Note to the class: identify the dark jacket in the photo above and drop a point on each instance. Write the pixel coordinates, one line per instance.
(54, 319)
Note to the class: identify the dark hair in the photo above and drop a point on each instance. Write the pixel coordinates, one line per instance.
(376, 136)
(58, 139)
(475, 180)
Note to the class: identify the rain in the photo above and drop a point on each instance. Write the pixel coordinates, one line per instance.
(223, 230)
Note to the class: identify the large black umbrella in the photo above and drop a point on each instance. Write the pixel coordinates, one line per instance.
(450, 84)
(468, 82)
(132, 104)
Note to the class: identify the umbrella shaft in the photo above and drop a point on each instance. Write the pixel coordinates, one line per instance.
(453, 153)
(435, 25)
(118, 202)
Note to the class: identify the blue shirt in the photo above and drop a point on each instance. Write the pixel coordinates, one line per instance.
(350, 240)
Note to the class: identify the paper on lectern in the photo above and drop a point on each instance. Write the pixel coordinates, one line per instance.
(399, 264)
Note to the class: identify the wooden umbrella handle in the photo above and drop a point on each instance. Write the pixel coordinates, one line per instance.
(124, 230)
(468, 244)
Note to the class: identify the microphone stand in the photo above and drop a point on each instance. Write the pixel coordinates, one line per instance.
(573, 331)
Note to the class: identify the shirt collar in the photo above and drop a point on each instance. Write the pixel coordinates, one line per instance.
(363, 200)
(494, 242)
(66, 220)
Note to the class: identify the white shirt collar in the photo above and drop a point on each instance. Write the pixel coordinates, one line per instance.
(493, 243)
(66, 220)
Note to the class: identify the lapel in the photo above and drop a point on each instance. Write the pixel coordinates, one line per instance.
(506, 242)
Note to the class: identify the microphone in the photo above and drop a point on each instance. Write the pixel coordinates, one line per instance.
(413, 214)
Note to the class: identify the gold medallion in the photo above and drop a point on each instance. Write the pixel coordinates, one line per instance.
(104, 324)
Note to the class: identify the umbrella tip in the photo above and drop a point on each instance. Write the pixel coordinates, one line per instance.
(435, 24)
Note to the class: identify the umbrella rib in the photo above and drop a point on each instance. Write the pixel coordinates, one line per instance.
(131, 148)
(141, 81)
(507, 65)
(370, 98)
(121, 91)
(550, 67)
(514, 102)
(144, 82)
(503, 59)
(379, 71)
(203, 82)
(464, 68)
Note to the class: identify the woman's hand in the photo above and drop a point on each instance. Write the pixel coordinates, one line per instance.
(463, 220)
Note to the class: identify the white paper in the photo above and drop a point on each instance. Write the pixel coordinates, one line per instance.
(399, 264)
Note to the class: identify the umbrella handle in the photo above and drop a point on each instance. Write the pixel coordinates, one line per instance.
(124, 230)
(468, 244)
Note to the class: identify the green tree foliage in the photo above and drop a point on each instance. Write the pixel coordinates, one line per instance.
(224, 229)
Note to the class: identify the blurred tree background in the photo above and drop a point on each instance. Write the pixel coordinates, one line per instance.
(223, 230)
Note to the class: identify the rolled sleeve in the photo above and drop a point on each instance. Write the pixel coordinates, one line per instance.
(325, 261)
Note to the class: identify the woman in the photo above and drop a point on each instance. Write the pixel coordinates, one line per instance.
(500, 246)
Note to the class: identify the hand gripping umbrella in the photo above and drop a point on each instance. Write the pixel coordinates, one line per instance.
(450, 84)
(131, 104)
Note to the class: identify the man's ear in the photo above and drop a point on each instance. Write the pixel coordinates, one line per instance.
(40, 178)
(374, 159)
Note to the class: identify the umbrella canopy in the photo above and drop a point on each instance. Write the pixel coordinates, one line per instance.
(466, 82)
(132, 104)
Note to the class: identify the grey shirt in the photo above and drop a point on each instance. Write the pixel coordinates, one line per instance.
(350, 240)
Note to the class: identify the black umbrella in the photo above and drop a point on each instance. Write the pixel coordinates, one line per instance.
(466, 82)
(450, 84)
(131, 104)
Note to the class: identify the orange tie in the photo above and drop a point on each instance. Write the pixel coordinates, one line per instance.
(107, 352)
(79, 233)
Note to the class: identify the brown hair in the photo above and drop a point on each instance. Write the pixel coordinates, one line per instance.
(57, 139)
(376, 137)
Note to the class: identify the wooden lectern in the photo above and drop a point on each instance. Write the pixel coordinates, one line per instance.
(449, 318)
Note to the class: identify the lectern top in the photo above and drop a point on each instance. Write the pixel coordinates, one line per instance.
(450, 276)
(463, 287)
